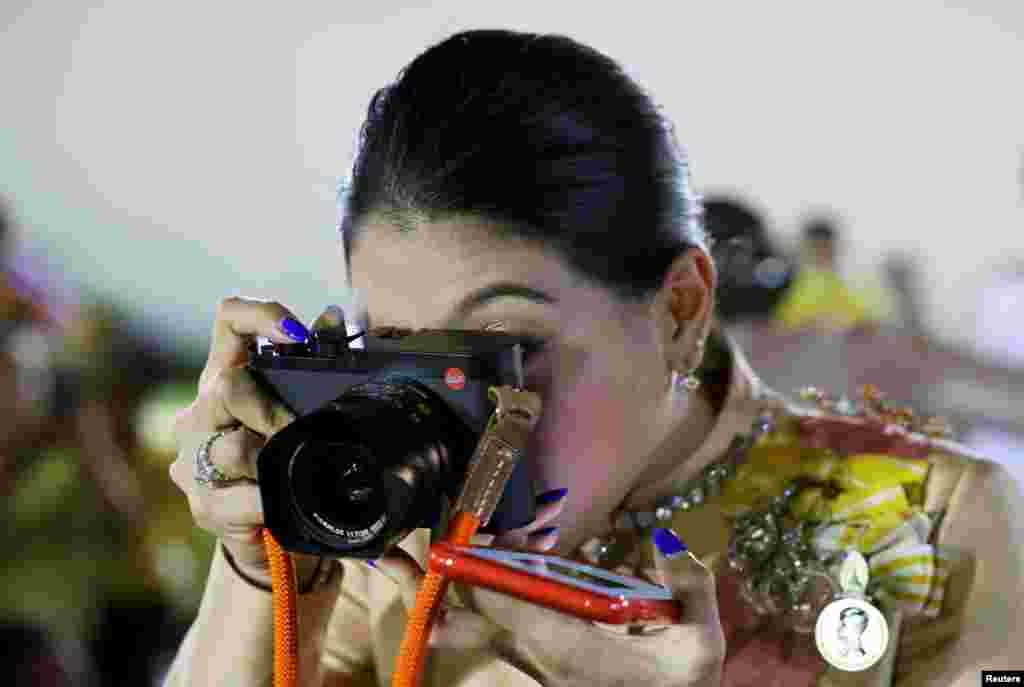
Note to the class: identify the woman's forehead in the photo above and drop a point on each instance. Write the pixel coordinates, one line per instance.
(419, 276)
(465, 246)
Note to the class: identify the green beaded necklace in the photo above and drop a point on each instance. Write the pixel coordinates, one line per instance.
(707, 485)
(782, 573)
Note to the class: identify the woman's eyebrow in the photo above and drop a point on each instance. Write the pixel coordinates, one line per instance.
(482, 296)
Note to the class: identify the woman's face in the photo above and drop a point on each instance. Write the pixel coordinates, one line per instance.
(602, 376)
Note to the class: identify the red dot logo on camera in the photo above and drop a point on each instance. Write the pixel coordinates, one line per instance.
(455, 378)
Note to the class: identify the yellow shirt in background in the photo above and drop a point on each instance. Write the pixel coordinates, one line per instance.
(822, 298)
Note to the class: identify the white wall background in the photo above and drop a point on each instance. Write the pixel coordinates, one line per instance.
(171, 153)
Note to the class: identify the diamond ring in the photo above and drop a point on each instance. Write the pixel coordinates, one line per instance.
(208, 474)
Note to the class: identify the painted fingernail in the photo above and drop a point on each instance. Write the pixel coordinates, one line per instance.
(668, 543)
(372, 564)
(295, 329)
(552, 496)
(545, 532)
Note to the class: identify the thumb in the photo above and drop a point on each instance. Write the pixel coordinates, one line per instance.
(691, 582)
(401, 568)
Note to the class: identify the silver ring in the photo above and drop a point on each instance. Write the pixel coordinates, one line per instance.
(208, 474)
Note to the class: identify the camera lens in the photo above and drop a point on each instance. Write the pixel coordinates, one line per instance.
(362, 472)
(335, 487)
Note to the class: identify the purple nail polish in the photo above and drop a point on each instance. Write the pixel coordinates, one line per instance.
(295, 329)
(668, 543)
(372, 564)
(552, 496)
(545, 531)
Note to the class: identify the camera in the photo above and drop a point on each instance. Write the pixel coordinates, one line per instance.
(383, 435)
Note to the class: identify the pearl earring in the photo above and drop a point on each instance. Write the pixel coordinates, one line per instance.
(688, 382)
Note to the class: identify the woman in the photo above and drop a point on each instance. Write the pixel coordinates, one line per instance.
(524, 183)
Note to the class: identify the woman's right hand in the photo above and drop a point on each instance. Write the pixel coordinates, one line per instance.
(229, 397)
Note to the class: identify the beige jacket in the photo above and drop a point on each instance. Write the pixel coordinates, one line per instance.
(980, 625)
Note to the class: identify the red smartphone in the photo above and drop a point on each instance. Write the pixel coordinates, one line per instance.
(575, 588)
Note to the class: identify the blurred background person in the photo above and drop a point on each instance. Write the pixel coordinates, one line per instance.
(102, 573)
(27, 339)
(32, 654)
(753, 272)
(821, 298)
(755, 278)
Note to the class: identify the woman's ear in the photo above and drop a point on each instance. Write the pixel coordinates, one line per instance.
(685, 309)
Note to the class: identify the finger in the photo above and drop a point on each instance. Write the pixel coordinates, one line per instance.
(462, 629)
(239, 321)
(234, 510)
(233, 397)
(550, 506)
(691, 582)
(244, 535)
(235, 453)
(238, 508)
(542, 540)
(402, 569)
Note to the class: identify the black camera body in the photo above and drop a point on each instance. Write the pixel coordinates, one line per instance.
(383, 436)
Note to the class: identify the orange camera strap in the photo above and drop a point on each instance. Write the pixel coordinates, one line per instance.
(286, 626)
(497, 453)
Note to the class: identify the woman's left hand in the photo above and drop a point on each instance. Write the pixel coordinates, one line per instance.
(559, 649)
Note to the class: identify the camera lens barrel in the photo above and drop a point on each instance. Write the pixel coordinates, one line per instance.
(358, 475)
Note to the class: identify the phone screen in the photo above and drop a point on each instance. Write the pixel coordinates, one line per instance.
(576, 574)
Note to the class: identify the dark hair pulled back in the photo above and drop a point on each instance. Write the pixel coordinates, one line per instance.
(539, 136)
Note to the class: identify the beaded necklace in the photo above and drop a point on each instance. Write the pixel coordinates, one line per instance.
(611, 551)
(770, 548)
(782, 575)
